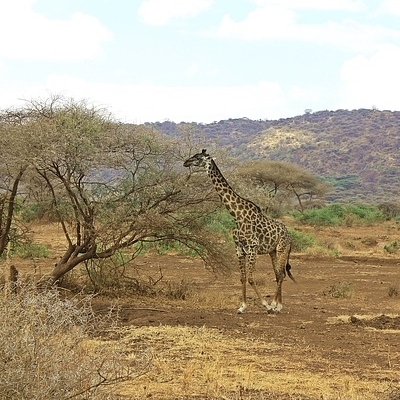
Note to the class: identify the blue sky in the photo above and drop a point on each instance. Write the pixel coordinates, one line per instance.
(202, 60)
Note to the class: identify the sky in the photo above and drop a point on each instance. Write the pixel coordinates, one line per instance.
(202, 60)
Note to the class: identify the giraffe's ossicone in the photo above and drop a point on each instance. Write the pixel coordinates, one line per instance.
(254, 234)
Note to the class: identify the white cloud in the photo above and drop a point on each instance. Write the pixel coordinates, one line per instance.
(304, 95)
(280, 20)
(352, 35)
(160, 12)
(268, 22)
(2, 68)
(389, 7)
(343, 5)
(29, 35)
(192, 70)
(147, 103)
(372, 81)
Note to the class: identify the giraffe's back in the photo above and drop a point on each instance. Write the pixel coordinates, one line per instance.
(265, 233)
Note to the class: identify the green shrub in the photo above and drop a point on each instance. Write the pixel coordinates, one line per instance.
(331, 215)
(301, 240)
(367, 214)
(33, 211)
(31, 250)
(336, 215)
(221, 222)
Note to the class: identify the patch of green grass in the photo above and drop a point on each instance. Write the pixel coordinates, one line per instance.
(31, 250)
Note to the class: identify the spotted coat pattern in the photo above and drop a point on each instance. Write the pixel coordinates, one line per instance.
(254, 234)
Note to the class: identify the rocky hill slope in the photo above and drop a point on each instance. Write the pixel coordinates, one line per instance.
(358, 151)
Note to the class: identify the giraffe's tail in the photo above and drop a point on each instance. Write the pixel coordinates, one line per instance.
(288, 268)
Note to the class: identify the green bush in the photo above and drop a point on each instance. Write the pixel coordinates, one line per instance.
(31, 212)
(219, 224)
(31, 250)
(367, 214)
(220, 221)
(336, 215)
(331, 215)
(301, 240)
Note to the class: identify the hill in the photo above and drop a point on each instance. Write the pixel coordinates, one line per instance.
(358, 151)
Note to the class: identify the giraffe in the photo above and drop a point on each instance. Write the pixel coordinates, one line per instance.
(254, 234)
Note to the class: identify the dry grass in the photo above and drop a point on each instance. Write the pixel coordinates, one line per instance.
(204, 363)
(46, 352)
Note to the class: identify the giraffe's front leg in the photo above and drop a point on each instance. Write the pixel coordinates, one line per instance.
(251, 265)
(243, 307)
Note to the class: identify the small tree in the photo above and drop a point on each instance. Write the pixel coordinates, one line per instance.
(277, 181)
(112, 186)
(14, 156)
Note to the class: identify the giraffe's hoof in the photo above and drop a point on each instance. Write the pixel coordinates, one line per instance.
(275, 308)
(241, 310)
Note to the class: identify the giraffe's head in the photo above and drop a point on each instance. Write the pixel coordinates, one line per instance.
(198, 160)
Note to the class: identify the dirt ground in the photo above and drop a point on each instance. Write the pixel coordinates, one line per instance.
(337, 337)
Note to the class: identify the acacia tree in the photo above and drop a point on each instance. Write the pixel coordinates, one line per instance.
(278, 181)
(113, 186)
(14, 156)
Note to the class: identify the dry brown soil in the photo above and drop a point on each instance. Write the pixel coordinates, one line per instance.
(337, 337)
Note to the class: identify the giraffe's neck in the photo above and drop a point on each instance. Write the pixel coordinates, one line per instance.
(234, 203)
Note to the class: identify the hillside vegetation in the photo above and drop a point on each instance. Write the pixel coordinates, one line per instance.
(357, 151)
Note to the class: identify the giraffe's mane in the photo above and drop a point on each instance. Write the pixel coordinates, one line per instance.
(234, 191)
(249, 201)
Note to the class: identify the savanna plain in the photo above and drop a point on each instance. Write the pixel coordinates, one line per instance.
(337, 337)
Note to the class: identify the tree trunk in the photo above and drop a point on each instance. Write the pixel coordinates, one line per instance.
(5, 230)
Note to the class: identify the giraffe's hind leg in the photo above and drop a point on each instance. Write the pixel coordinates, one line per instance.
(279, 265)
